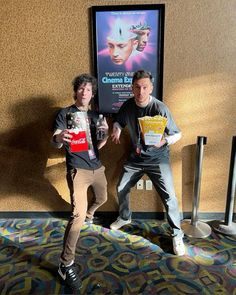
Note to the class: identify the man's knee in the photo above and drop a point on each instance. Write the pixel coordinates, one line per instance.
(124, 187)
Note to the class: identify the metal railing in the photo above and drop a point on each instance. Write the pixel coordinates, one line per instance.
(228, 227)
(194, 227)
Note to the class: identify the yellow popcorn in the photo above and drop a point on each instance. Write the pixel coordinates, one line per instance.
(152, 128)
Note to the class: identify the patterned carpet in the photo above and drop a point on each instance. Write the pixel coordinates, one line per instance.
(136, 260)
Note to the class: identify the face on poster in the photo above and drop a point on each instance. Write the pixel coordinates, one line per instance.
(126, 41)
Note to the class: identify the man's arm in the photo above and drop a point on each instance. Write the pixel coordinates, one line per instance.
(101, 143)
(171, 139)
(59, 137)
(172, 133)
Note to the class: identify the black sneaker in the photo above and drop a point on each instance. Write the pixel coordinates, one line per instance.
(69, 274)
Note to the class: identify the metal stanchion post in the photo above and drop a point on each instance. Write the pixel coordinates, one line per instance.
(229, 227)
(195, 228)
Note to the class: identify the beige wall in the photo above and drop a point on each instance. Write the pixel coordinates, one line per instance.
(44, 44)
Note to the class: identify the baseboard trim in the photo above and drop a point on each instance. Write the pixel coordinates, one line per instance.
(110, 215)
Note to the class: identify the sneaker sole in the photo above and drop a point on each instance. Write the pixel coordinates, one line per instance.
(116, 228)
(176, 254)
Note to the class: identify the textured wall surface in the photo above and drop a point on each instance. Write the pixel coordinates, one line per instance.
(44, 44)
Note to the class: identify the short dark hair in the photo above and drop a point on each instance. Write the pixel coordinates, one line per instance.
(83, 79)
(140, 27)
(141, 74)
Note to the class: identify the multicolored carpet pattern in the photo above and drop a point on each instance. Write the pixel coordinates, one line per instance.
(137, 260)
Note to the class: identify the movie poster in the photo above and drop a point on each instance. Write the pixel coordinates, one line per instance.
(126, 41)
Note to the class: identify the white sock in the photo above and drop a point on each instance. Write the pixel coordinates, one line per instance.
(67, 265)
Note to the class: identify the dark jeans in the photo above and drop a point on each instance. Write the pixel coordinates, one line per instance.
(161, 177)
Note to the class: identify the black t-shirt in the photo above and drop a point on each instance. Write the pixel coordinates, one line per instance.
(128, 116)
(79, 159)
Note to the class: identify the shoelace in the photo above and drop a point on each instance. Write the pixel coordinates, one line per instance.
(72, 274)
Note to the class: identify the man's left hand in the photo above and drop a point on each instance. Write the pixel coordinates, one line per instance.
(161, 143)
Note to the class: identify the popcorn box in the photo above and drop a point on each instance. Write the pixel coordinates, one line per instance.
(152, 128)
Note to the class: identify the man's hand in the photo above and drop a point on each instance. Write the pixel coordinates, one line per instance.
(115, 136)
(63, 136)
(161, 143)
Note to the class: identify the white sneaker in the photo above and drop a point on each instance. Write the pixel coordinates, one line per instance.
(119, 223)
(178, 246)
(88, 221)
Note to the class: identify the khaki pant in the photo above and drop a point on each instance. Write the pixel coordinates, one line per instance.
(79, 181)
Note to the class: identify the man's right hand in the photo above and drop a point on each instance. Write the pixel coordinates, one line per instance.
(115, 136)
(63, 136)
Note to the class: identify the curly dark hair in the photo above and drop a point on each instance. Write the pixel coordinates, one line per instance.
(83, 79)
(141, 74)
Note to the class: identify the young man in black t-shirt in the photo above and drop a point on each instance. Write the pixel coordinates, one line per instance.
(152, 160)
(84, 168)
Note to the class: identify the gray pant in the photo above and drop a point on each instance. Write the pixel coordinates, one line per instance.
(161, 177)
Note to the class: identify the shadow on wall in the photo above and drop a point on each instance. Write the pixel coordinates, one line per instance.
(23, 157)
(188, 168)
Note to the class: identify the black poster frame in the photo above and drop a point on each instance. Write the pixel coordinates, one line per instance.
(113, 27)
